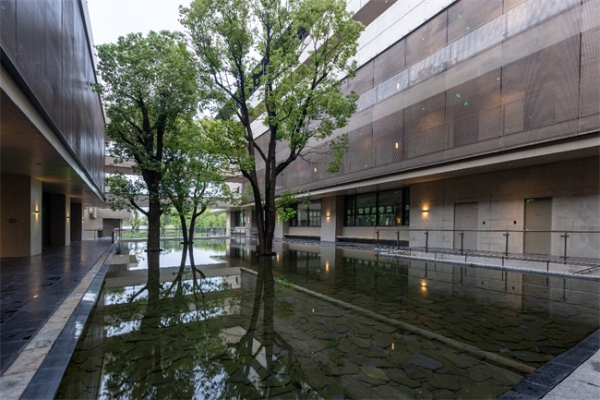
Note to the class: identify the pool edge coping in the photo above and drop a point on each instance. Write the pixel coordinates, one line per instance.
(550, 375)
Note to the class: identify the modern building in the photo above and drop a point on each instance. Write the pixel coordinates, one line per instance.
(52, 125)
(477, 127)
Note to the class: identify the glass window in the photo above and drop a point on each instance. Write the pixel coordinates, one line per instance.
(350, 211)
(307, 215)
(366, 206)
(388, 202)
(241, 218)
(387, 208)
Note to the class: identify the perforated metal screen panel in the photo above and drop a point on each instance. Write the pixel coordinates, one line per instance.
(525, 72)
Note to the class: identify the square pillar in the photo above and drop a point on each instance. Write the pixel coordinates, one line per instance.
(281, 228)
(230, 224)
(60, 224)
(332, 218)
(76, 222)
(21, 211)
(251, 222)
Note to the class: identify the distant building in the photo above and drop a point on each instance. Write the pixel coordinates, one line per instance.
(475, 117)
(52, 125)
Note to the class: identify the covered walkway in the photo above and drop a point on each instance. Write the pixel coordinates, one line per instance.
(32, 289)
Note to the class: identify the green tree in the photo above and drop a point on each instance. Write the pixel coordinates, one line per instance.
(286, 58)
(136, 220)
(148, 85)
(194, 181)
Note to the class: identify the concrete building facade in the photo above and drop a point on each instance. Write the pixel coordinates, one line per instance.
(476, 119)
(52, 125)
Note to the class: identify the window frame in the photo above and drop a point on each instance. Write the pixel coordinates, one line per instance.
(374, 215)
(312, 216)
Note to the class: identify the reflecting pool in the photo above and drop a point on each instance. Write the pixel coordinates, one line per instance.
(204, 252)
(322, 322)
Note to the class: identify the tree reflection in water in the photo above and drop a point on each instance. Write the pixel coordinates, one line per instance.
(187, 338)
(266, 363)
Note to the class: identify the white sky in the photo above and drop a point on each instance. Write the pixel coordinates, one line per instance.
(113, 18)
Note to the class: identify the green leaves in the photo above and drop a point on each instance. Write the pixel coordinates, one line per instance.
(284, 58)
(150, 92)
(194, 180)
(272, 72)
(339, 147)
(286, 200)
(148, 84)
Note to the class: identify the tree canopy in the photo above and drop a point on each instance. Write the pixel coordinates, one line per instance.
(194, 181)
(149, 88)
(273, 70)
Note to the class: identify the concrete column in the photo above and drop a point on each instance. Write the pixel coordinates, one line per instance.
(60, 215)
(230, 224)
(278, 233)
(76, 222)
(332, 218)
(281, 228)
(92, 224)
(251, 221)
(21, 211)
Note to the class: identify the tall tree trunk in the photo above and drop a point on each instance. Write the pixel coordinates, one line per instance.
(266, 231)
(192, 225)
(184, 230)
(153, 223)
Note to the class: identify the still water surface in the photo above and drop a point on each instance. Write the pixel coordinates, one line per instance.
(321, 322)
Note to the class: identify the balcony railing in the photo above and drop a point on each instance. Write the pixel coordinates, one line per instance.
(125, 234)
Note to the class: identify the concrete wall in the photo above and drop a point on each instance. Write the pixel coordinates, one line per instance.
(332, 218)
(91, 225)
(304, 231)
(370, 232)
(230, 223)
(110, 214)
(21, 225)
(278, 233)
(282, 228)
(572, 185)
(108, 225)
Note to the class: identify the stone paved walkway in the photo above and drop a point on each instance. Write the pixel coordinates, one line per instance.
(33, 288)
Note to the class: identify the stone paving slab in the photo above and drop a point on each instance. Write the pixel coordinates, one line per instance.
(583, 383)
(28, 360)
(33, 288)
